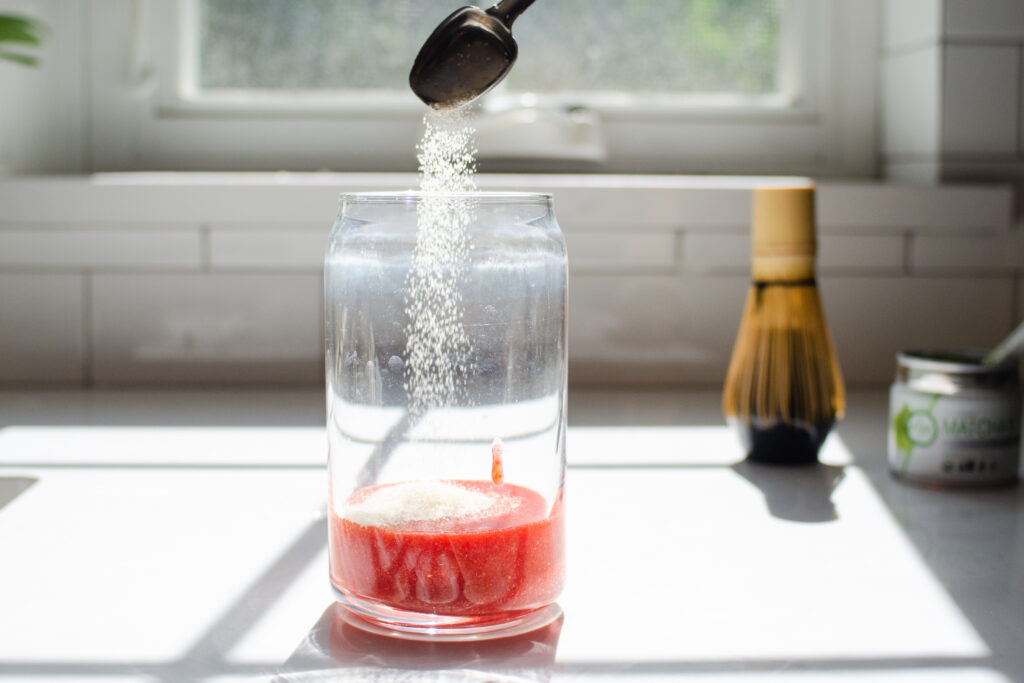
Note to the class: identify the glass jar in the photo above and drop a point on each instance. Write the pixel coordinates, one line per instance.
(445, 325)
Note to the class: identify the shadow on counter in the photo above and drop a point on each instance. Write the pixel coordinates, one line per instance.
(798, 493)
(12, 487)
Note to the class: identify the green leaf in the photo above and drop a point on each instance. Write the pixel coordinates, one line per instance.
(20, 30)
(27, 60)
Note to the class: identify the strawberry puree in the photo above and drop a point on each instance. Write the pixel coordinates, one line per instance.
(507, 557)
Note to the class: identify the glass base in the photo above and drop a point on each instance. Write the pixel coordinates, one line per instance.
(394, 623)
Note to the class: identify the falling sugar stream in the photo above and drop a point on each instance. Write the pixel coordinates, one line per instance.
(437, 347)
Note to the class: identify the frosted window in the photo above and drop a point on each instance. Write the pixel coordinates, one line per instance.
(709, 46)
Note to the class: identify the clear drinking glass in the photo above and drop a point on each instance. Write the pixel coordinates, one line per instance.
(446, 382)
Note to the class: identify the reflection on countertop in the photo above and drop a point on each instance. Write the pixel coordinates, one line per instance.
(337, 651)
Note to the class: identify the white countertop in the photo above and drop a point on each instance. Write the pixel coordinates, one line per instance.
(181, 535)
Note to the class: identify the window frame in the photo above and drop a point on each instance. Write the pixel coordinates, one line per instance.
(144, 119)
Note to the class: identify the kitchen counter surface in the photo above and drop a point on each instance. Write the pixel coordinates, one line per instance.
(181, 535)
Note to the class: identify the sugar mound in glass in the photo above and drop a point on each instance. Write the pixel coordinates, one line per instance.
(456, 547)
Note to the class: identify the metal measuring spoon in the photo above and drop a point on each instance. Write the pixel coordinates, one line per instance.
(1013, 345)
(469, 53)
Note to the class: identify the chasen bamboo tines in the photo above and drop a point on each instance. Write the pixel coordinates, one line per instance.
(783, 364)
(784, 388)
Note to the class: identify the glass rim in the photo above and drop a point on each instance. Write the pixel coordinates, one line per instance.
(415, 196)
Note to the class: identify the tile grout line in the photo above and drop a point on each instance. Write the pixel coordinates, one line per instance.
(908, 243)
(679, 252)
(88, 345)
(86, 88)
(205, 249)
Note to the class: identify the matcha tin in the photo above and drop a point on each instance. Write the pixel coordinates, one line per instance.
(954, 421)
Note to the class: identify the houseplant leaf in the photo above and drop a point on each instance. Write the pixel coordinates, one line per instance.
(23, 32)
(27, 60)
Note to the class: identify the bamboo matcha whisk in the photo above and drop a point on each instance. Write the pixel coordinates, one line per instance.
(784, 389)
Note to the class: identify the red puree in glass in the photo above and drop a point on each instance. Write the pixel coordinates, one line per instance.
(508, 557)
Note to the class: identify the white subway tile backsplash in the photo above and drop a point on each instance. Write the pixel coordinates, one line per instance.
(41, 328)
(666, 208)
(920, 172)
(980, 97)
(902, 207)
(911, 22)
(663, 202)
(604, 252)
(706, 252)
(730, 253)
(619, 203)
(318, 227)
(983, 19)
(271, 248)
(663, 329)
(584, 204)
(304, 249)
(978, 255)
(659, 329)
(66, 248)
(872, 318)
(207, 328)
(660, 268)
(911, 92)
(176, 197)
(864, 253)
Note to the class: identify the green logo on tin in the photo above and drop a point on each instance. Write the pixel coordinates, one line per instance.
(914, 428)
(921, 428)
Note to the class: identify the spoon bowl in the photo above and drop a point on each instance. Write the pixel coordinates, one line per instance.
(469, 53)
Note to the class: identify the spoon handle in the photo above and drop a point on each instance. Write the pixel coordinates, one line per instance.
(1008, 347)
(508, 10)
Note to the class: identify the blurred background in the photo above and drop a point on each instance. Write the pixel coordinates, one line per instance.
(169, 171)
